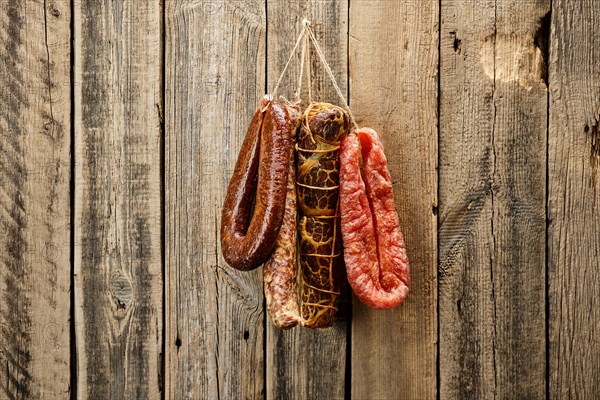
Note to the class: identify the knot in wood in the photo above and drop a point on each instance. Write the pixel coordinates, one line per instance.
(121, 290)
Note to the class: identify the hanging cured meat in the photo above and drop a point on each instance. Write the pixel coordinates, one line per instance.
(321, 267)
(315, 203)
(374, 249)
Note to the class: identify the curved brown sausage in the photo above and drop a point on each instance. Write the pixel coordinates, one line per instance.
(260, 174)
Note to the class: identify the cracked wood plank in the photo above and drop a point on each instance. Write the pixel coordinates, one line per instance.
(215, 76)
(493, 118)
(304, 363)
(35, 128)
(118, 277)
(574, 201)
(393, 75)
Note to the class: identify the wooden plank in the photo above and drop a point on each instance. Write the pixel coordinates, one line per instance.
(118, 278)
(574, 201)
(35, 128)
(304, 363)
(493, 118)
(393, 75)
(215, 55)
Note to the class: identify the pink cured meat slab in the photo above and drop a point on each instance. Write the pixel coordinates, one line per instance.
(374, 250)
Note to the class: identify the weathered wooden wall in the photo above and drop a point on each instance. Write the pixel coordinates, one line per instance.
(117, 72)
(492, 227)
(120, 123)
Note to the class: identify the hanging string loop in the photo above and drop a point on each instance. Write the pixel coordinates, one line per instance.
(330, 73)
(287, 64)
(308, 34)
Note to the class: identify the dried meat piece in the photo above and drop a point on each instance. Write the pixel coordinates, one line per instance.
(323, 126)
(374, 250)
(280, 271)
(249, 228)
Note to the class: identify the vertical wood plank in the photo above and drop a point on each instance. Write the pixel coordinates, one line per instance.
(574, 200)
(393, 75)
(466, 243)
(215, 66)
(304, 363)
(35, 128)
(118, 282)
(493, 118)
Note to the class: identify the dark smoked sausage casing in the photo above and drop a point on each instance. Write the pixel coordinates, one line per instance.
(260, 174)
(374, 251)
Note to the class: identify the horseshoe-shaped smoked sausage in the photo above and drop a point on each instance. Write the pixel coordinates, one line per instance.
(260, 174)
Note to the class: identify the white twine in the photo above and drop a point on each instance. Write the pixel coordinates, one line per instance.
(330, 73)
(302, 58)
(305, 59)
(289, 60)
(307, 56)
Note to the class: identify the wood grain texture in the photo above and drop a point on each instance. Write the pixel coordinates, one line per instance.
(304, 363)
(514, 126)
(573, 201)
(393, 75)
(215, 66)
(35, 141)
(118, 282)
(493, 109)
